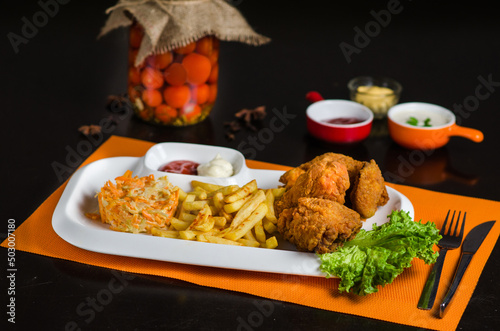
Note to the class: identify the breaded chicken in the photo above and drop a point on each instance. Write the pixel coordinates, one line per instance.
(327, 199)
(353, 166)
(368, 190)
(327, 180)
(318, 225)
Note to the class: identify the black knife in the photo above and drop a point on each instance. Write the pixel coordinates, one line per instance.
(471, 244)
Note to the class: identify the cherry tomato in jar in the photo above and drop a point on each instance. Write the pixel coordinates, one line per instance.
(214, 74)
(134, 76)
(165, 114)
(176, 96)
(191, 112)
(151, 78)
(136, 34)
(186, 49)
(160, 61)
(175, 74)
(197, 67)
(212, 95)
(204, 46)
(200, 93)
(152, 98)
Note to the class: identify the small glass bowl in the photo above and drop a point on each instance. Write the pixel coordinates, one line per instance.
(377, 93)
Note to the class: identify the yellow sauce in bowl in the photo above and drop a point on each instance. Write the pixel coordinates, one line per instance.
(378, 99)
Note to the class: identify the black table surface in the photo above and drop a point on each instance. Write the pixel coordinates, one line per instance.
(58, 76)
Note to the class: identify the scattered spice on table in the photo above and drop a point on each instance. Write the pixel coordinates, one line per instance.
(245, 118)
(90, 130)
(118, 103)
(249, 115)
(232, 128)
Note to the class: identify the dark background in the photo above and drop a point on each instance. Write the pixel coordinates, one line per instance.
(61, 77)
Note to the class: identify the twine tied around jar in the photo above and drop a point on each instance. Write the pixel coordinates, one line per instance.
(169, 24)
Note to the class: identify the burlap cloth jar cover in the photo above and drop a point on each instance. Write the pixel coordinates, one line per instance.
(170, 24)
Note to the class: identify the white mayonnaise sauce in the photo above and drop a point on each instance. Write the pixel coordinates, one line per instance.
(217, 167)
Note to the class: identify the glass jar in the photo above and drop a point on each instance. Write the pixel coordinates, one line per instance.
(377, 93)
(175, 88)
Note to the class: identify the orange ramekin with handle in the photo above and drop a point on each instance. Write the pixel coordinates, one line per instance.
(443, 126)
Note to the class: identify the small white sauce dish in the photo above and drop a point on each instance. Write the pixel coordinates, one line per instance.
(442, 126)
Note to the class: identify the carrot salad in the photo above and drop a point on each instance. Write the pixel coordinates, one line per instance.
(134, 204)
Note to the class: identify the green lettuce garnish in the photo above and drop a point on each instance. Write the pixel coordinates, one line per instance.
(377, 257)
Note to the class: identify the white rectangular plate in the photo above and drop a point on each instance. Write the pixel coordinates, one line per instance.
(71, 224)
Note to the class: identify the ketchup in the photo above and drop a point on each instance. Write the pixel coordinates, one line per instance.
(181, 167)
(344, 120)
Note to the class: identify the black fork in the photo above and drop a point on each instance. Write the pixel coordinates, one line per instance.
(452, 239)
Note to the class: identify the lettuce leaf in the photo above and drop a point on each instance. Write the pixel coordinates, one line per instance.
(378, 256)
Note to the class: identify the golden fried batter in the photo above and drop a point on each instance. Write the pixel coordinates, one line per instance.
(368, 190)
(328, 180)
(313, 212)
(318, 225)
(353, 166)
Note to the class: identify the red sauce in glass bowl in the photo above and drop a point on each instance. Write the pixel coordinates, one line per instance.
(344, 120)
(184, 167)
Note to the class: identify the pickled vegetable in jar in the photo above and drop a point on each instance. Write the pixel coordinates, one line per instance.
(172, 72)
(177, 87)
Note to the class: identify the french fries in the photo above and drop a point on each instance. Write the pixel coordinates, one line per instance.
(249, 207)
(270, 216)
(230, 215)
(239, 230)
(242, 192)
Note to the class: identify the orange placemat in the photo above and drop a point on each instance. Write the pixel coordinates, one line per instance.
(395, 303)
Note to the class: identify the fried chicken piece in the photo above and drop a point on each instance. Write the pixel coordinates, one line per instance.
(318, 225)
(353, 166)
(368, 190)
(313, 212)
(290, 177)
(327, 180)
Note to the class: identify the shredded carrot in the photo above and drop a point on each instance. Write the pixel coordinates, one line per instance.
(134, 204)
